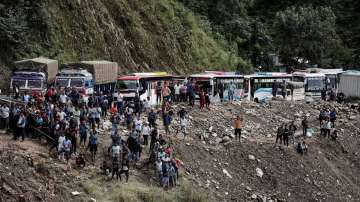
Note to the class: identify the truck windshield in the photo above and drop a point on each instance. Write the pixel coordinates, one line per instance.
(127, 84)
(19, 83)
(77, 83)
(315, 83)
(34, 83)
(60, 82)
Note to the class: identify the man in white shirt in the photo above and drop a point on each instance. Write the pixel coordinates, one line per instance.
(138, 125)
(146, 132)
(63, 98)
(177, 92)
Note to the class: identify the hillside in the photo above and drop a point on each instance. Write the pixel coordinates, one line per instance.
(138, 35)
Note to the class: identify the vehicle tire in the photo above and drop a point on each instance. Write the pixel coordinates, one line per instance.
(256, 100)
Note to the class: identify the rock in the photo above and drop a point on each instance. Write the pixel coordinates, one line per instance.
(251, 157)
(248, 188)
(187, 144)
(226, 139)
(214, 135)
(92, 199)
(254, 196)
(227, 173)
(352, 118)
(210, 129)
(75, 193)
(259, 172)
(306, 179)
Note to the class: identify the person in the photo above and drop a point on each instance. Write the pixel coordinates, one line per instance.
(237, 126)
(292, 130)
(183, 93)
(83, 129)
(302, 148)
(98, 116)
(191, 93)
(67, 148)
(93, 141)
(333, 117)
(279, 134)
(167, 121)
(274, 88)
(323, 94)
(166, 92)
(221, 91)
(165, 173)
(115, 169)
(286, 135)
(154, 137)
(21, 124)
(4, 116)
(327, 128)
(138, 125)
(158, 166)
(177, 92)
(207, 100)
(152, 118)
(283, 89)
(147, 105)
(231, 91)
(202, 99)
(322, 117)
(158, 92)
(26, 98)
(305, 125)
(120, 104)
(172, 175)
(183, 126)
(334, 135)
(125, 167)
(146, 132)
(80, 161)
(60, 147)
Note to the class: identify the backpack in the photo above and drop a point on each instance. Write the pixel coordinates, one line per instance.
(93, 140)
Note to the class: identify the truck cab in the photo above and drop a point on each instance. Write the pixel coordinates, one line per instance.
(28, 81)
(79, 79)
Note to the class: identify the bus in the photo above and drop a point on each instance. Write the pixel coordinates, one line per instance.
(210, 81)
(314, 83)
(258, 86)
(142, 83)
(332, 78)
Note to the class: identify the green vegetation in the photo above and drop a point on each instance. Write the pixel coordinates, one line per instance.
(183, 35)
(138, 192)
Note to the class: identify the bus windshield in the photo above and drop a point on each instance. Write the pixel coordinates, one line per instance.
(77, 82)
(62, 82)
(127, 84)
(34, 83)
(315, 83)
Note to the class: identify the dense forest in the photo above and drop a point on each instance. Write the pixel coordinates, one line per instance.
(322, 32)
(183, 35)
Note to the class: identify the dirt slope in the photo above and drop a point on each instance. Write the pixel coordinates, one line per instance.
(328, 173)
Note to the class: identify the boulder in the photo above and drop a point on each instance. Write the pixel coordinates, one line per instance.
(259, 172)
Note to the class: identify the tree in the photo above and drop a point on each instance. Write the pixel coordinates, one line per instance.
(306, 34)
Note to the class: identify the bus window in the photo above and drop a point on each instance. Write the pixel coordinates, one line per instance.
(314, 84)
(127, 84)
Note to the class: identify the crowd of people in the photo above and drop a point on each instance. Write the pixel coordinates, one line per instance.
(72, 126)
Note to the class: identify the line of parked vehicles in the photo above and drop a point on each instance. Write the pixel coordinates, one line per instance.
(36, 75)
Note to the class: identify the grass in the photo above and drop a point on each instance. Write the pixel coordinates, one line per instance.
(136, 191)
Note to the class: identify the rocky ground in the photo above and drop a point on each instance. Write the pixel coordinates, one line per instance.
(255, 170)
(214, 163)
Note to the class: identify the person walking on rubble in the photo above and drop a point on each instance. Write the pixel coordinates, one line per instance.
(279, 134)
(237, 126)
(305, 125)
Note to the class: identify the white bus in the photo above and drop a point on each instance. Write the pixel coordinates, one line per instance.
(210, 82)
(314, 83)
(258, 86)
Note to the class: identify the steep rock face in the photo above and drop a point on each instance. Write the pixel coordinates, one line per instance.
(139, 35)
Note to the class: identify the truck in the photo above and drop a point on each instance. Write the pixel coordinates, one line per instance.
(34, 75)
(88, 76)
